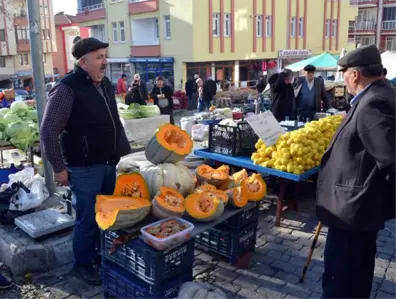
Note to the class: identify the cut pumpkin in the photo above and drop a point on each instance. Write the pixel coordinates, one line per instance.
(238, 196)
(168, 203)
(205, 187)
(215, 177)
(170, 144)
(240, 175)
(133, 185)
(255, 187)
(204, 207)
(116, 212)
(224, 168)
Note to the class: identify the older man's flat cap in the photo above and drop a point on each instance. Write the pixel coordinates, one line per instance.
(366, 55)
(309, 68)
(87, 45)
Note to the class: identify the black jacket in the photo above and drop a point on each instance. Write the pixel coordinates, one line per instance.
(210, 87)
(189, 87)
(356, 183)
(261, 85)
(282, 96)
(137, 94)
(94, 133)
(168, 92)
(322, 97)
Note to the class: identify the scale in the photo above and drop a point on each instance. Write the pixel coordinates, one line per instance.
(46, 222)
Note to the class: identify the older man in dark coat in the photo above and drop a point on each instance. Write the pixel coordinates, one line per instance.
(310, 94)
(356, 183)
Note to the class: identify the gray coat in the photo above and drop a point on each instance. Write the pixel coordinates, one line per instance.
(321, 94)
(356, 186)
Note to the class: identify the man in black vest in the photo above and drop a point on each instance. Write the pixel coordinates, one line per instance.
(83, 139)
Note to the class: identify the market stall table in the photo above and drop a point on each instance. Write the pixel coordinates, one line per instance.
(246, 162)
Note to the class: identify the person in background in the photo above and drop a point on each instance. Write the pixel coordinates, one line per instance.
(162, 96)
(282, 95)
(210, 89)
(310, 94)
(189, 88)
(389, 82)
(149, 86)
(138, 92)
(203, 96)
(356, 183)
(122, 85)
(83, 139)
(261, 84)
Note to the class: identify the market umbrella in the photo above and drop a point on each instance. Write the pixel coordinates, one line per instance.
(388, 61)
(340, 75)
(323, 62)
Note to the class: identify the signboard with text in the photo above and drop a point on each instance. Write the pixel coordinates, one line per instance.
(266, 127)
(294, 53)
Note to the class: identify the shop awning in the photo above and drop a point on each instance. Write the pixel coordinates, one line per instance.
(388, 61)
(323, 62)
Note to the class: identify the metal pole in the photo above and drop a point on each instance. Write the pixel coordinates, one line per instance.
(36, 50)
(379, 23)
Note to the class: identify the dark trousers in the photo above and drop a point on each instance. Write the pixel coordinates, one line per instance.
(349, 261)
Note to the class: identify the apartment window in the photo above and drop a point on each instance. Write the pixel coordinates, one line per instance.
(2, 61)
(365, 41)
(301, 27)
(216, 24)
(46, 33)
(268, 24)
(26, 59)
(122, 32)
(2, 35)
(367, 19)
(20, 59)
(44, 58)
(227, 25)
(156, 28)
(115, 33)
(168, 33)
(259, 26)
(334, 29)
(390, 43)
(327, 28)
(293, 26)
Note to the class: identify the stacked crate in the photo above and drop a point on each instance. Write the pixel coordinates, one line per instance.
(136, 270)
(234, 237)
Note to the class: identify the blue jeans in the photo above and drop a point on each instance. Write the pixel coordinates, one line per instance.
(86, 183)
(202, 105)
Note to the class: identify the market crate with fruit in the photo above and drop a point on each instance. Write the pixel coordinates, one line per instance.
(159, 206)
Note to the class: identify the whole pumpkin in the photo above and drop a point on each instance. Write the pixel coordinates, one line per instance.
(198, 290)
(171, 175)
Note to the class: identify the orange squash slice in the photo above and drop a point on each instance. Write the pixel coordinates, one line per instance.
(168, 203)
(204, 207)
(256, 187)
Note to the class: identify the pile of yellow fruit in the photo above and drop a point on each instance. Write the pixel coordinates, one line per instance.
(300, 150)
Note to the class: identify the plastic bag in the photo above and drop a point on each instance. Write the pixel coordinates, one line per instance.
(200, 132)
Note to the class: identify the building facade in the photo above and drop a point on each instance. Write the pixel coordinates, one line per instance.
(67, 31)
(15, 59)
(375, 24)
(231, 41)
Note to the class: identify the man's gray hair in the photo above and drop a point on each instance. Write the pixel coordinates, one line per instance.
(77, 62)
(370, 71)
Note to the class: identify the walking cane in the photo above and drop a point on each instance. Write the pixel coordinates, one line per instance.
(309, 257)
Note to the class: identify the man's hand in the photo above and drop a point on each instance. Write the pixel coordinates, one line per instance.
(62, 178)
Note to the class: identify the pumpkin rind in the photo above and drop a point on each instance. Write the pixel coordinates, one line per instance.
(193, 207)
(131, 184)
(116, 212)
(255, 187)
(238, 196)
(170, 144)
(215, 177)
(161, 207)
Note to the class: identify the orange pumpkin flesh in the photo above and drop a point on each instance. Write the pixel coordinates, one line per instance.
(168, 203)
(217, 194)
(116, 212)
(205, 187)
(203, 206)
(256, 187)
(240, 175)
(207, 174)
(131, 184)
(238, 196)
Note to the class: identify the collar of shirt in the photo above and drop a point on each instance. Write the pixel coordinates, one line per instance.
(310, 84)
(359, 94)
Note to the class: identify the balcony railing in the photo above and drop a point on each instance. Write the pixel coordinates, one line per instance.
(365, 26)
(389, 25)
(91, 7)
(363, 2)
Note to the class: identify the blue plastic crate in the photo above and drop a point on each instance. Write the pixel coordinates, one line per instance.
(229, 242)
(147, 263)
(118, 283)
(5, 172)
(248, 216)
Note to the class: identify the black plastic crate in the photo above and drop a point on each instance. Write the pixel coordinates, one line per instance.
(232, 141)
(248, 216)
(147, 263)
(118, 283)
(229, 242)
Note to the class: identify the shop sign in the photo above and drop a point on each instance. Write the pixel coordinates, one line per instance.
(294, 53)
(152, 59)
(266, 127)
(14, 77)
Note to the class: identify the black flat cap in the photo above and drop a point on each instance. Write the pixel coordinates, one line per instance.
(309, 68)
(366, 55)
(86, 45)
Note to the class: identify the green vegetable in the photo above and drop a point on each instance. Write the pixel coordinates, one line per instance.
(21, 134)
(136, 111)
(10, 118)
(19, 108)
(32, 114)
(4, 111)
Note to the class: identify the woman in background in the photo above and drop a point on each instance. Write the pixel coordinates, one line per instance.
(162, 96)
